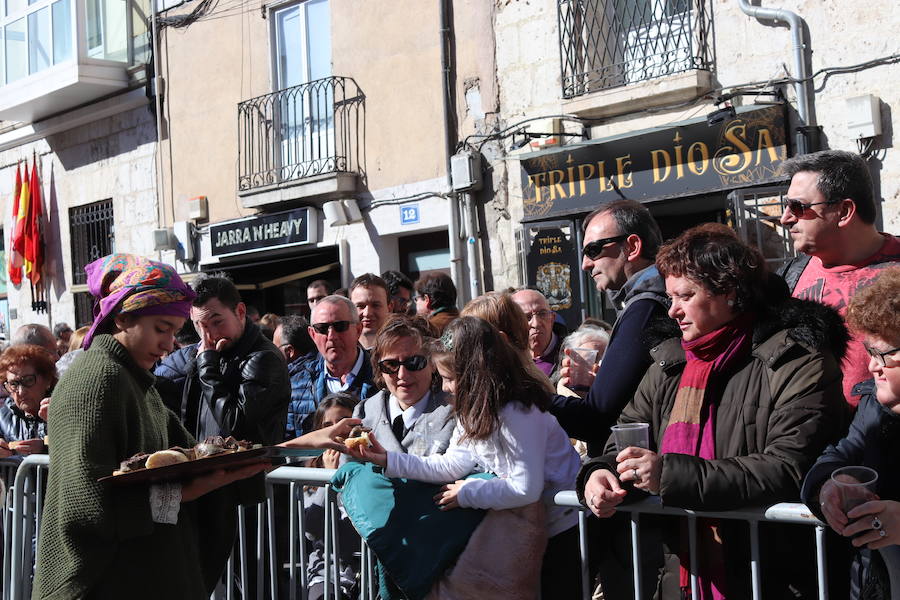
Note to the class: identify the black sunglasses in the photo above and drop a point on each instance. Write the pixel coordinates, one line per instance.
(595, 248)
(798, 209)
(413, 363)
(339, 326)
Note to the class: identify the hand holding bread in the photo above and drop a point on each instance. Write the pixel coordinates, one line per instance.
(372, 451)
(328, 437)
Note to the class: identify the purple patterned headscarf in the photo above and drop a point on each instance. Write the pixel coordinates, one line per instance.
(125, 283)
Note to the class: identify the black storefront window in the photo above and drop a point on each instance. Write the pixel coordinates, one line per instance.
(91, 230)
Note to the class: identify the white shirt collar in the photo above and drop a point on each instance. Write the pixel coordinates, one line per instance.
(334, 383)
(411, 414)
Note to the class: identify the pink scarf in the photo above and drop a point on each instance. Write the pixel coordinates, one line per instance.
(691, 430)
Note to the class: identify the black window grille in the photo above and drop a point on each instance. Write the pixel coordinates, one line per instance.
(611, 43)
(84, 306)
(91, 230)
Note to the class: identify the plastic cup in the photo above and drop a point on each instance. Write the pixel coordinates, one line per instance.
(580, 367)
(632, 434)
(856, 485)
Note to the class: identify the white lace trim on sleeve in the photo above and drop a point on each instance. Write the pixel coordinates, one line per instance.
(165, 502)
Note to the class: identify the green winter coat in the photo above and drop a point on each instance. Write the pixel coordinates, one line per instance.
(99, 541)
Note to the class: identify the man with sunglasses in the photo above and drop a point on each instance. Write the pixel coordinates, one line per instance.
(830, 214)
(342, 365)
(620, 243)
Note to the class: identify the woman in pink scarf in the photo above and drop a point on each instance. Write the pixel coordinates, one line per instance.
(743, 394)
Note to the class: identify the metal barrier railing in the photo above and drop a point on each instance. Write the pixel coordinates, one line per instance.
(27, 498)
(785, 512)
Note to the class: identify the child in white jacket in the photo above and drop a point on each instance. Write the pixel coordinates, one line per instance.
(502, 428)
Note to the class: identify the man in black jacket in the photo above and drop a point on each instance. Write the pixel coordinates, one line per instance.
(620, 243)
(234, 381)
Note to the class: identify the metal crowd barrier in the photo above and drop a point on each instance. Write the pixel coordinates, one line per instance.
(21, 524)
(27, 501)
(784, 512)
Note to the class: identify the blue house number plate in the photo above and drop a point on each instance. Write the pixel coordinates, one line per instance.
(409, 214)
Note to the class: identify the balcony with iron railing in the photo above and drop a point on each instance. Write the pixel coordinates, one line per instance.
(301, 142)
(609, 44)
(59, 54)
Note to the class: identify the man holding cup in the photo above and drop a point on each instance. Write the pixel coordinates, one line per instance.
(620, 243)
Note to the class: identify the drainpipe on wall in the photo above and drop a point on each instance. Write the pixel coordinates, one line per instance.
(160, 194)
(804, 101)
(456, 266)
(473, 260)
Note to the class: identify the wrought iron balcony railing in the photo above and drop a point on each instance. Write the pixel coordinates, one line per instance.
(611, 43)
(310, 129)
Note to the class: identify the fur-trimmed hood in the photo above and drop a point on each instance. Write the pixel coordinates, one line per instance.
(809, 323)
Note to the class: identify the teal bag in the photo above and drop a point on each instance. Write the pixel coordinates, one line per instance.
(413, 539)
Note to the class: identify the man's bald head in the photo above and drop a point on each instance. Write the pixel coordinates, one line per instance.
(37, 334)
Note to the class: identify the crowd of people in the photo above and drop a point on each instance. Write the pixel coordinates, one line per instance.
(754, 387)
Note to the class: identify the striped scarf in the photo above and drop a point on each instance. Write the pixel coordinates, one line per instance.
(691, 430)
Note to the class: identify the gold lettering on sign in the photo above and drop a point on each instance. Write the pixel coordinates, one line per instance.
(747, 150)
(585, 171)
(625, 180)
(536, 182)
(736, 157)
(698, 167)
(654, 157)
(765, 143)
(555, 179)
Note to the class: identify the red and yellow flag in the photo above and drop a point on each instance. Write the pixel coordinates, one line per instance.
(18, 239)
(34, 238)
(14, 259)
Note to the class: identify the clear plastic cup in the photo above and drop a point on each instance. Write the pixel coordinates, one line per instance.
(581, 365)
(631, 434)
(855, 485)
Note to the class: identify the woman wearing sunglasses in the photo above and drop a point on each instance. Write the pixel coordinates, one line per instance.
(409, 413)
(873, 527)
(28, 374)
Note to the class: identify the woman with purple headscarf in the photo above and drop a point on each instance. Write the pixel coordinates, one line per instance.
(137, 541)
(100, 541)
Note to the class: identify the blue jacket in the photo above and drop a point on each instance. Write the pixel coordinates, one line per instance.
(308, 388)
(873, 441)
(15, 425)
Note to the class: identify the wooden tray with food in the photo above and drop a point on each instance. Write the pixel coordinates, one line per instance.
(178, 464)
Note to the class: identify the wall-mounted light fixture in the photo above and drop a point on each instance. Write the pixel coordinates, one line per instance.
(334, 213)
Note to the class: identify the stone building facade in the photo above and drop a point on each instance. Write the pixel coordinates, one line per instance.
(288, 141)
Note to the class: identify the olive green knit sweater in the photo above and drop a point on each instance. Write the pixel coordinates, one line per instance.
(99, 541)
